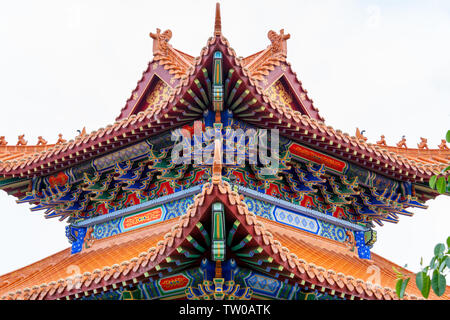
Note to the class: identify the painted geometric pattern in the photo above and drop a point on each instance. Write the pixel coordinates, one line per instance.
(296, 220)
(267, 287)
(299, 221)
(131, 152)
(168, 211)
(260, 208)
(107, 229)
(264, 284)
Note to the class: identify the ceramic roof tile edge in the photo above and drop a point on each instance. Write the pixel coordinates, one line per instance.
(318, 242)
(325, 277)
(175, 61)
(306, 91)
(442, 156)
(15, 279)
(25, 151)
(265, 62)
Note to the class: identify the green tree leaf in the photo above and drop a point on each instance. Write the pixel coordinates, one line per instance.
(438, 283)
(433, 262)
(442, 264)
(423, 283)
(398, 288)
(401, 287)
(439, 250)
(447, 262)
(398, 273)
(448, 136)
(446, 169)
(404, 285)
(441, 185)
(432, 182)
(448, 242)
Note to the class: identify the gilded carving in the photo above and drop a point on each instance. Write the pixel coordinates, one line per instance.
(160, 92)
(277, 92)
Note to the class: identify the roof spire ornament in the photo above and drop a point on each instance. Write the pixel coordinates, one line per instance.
(60, 139)
(402, 143)
(279, 43)
(443, 145)
(218, 21)
(360, 135)
(3, 141)
(81, 133)
(423, 143)
(21, 141)
(382, 141)
(41, 141)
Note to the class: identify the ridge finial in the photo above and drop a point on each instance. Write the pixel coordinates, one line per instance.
(278, 42)
(218, 21)
(161, 41)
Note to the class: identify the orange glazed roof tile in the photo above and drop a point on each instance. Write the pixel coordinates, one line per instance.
(14, 153)
(104, 253)
(336, 257)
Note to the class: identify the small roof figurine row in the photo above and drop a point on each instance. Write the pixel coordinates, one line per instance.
(423, 144)
(402, 143)
(22, 142)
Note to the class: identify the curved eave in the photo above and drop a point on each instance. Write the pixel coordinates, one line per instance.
(267, 114)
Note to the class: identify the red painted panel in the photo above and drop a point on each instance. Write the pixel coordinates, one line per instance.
(319, 158)
(174, 283)
(142, 218)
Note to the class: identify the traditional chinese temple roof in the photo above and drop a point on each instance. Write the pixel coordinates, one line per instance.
(250, 77)
(130, 256)
(182, 85)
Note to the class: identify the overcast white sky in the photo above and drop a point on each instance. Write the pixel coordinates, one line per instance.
(382, 66)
